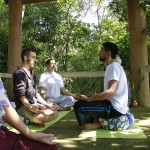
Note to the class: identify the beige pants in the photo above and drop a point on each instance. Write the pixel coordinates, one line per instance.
(45, 116)
(26, 112)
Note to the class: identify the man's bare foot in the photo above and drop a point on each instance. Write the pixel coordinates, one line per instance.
(39, 125)
(91, 126)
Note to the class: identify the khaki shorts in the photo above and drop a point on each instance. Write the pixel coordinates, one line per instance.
(26, 112)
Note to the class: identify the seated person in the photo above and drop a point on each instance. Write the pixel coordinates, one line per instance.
(118, 123)
(112, 103)
(25, 95)
(51, 86)
(27, 139)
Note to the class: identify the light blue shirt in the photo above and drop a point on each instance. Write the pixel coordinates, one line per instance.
(3, 101)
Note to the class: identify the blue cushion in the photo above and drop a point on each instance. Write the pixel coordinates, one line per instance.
(119, 123)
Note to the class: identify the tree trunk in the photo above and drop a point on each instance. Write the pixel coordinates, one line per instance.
(138, 49)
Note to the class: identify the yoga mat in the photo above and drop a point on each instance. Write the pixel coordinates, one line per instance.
(40, 129)
(135, 132)
(48, 124)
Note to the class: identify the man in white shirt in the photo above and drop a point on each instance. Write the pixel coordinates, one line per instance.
(113, 101)
(51, 86)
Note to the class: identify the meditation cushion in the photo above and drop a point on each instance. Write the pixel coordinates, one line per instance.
(120, 123)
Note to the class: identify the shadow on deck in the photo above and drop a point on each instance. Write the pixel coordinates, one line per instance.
(67, 131)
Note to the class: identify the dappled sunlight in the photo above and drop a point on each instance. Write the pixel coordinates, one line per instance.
(140, 146)
(73, 142)
(70, 120)
(146, 113)
(144, 122)
(136, 146)
(116, 144)
(88, 134)
(131, 131)
(67, 134)
(135, 132)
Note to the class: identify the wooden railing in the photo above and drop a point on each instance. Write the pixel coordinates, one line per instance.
(66, 74)
(144, 69)
(5, 75)
(82, 74)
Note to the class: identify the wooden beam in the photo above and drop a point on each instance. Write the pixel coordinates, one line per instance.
(35, 1)
(31, 1)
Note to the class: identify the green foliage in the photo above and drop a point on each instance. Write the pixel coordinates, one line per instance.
(84, 85)
(119, 9)
(135, 89)
(3, 50)
(3, 37)
(56, 30)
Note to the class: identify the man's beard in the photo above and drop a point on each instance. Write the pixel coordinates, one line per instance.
(28, 61)
(55, 67)
(101, 59)
(31, 67)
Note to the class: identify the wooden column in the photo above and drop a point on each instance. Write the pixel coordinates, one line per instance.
(138, 48)
(14, 39)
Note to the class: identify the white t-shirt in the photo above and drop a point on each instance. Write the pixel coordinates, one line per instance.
(114, 71)
(52, 83)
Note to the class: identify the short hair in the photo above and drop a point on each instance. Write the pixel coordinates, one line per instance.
(48, 61)
(26, 52)
(112, 47)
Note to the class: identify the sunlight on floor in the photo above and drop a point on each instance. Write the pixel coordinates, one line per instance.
(72, 142)
(144, 122)
(140, 146)
(115, 144)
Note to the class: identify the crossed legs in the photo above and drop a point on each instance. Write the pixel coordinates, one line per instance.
(39, 118)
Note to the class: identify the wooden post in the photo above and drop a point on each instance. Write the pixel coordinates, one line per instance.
(14, 39)
(138, 48)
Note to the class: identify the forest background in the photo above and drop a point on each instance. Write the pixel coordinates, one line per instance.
(58, 30)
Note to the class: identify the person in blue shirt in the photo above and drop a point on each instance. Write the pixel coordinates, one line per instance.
(26, 139)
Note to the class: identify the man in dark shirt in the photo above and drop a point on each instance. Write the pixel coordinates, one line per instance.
(27, 103)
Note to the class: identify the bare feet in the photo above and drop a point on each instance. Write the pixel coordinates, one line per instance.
(91, 126)
(39, 125)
